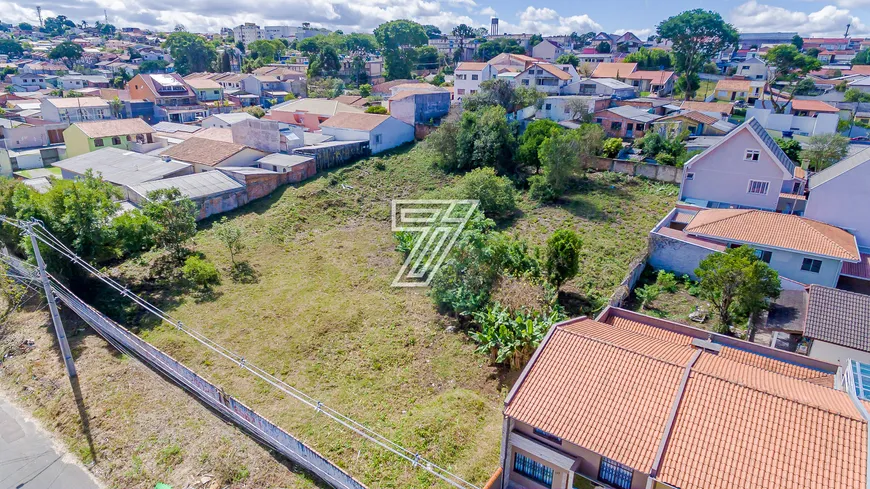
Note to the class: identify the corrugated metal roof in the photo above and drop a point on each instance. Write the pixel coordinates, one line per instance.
(195, 186)
(121, 167)
(768, 140)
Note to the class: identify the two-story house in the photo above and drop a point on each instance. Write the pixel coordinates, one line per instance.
(628, 401)
(733, 90)
(547, 50)
(75, 109)
(174, 100)
(544, 77)
(660, 83)
(264, 86)
(468, 77)
(745, 169)
(28, 82)
(753, 68)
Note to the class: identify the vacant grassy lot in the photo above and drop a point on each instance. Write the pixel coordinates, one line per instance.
(317, 310)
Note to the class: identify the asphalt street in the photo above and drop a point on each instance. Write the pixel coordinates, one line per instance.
(30, 459)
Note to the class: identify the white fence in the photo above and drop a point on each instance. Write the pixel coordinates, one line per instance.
(229, 407)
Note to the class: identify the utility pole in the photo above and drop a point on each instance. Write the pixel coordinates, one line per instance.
(52, 306)
(39, 14)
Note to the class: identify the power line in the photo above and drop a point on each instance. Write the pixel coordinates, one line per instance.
(415, 459)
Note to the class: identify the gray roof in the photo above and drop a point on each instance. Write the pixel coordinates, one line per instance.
(175, 127)
(634, 113)
(839, 168)
(839, 317)
(234, 117)
(789, 311)
(312, 138)
(768, 140)
(193, 186)
(285, 160)
(609, 82)
(121, 167)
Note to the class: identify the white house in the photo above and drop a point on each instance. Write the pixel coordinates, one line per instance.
(544, 77)
(839, 195)
(75, 109)
(753, 69)
(547, 50)
(822, 123)
(601, 86)
(383, 132)
(468, 76)
(225, 121)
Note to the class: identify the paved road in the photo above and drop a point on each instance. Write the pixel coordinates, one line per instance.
(29, 459)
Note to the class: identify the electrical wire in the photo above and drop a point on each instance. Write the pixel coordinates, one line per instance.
(44, 236)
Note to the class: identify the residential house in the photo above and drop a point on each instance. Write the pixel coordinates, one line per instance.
(207, 90)
(225, 120)
(753, 69)
(820, 118)
(811, 108)
(75, 109)
(618, 71)
(838, 325)
(593, 58)
(547, 50)
(510, 61)
(293, 77)
(660, 83)
(626, 43)
(570, 107)
(209, 154)
(694, 123)
(78, 82)
(722, 110)
(265, 87)
(299, 167)
(838, 195)
(27, 82)
(800, 249)
(26, 146)
(420, 108)
(544, 77)
(383, 132)
(625, 122)
(838, 56)
(745, 169)
(174, 100)
(354, 100)
(468, 77)
(664, 418)
(733, 90)
(601, 86)
(121, 168)
(126, 134)
(309, 112)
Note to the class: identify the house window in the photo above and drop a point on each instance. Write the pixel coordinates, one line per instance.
(758, 187)
(460, 91)
(615, 126)
(377, 139)
(98, 142)
(615, 474)
(548, 106)
(538, 472)
(116, 140)
(629, 126)
(567, 111)
(690, 176)
(549, 436)
(810, 265)
(751, 155)
(526, 82)
(763, 255)
(474, 77)
(599, 120)
(796, 187)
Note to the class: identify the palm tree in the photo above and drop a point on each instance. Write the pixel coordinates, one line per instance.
(117, 106)
(84, 24)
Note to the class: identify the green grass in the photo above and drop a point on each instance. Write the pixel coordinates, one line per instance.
(322, 316)
(673, 306)
(40, 172)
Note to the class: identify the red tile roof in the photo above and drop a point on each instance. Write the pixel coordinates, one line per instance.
(655, 77)
(813, 106)
(613, 70)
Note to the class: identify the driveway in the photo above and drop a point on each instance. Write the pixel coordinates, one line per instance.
(30, 459)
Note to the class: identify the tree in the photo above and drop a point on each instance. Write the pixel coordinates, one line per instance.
(226, 64)
(11, 292)
(688, 84)
(535, 134)
(376, 109)
(495, 193)
(564, 154)
(789, 65)
(535, 40)
(427, 58)
(180, 28)
(255, 111)
(585, 70)
(117, 107)
(11, 47)
(67, 52)
(56, 26)
(855, 95)
(603, 47)
(736, 282)
(791, 148)
(650, 59)
(190, 52)
(579, 109)
(490, 49)
(153, 66)
(265, 50)
(797, 41)
(862, 58)
(823, 150)
(486, 139)
(432, 32)
(24, 26)
(463, 32)
(324, 63)
(805, 86)
(814, 53)
(398, 38)
(174, 217)
(563, 257)
(697, 35)
(503, 93)
(568, 59)
(611, 147)
(365, 90)
(230, 236)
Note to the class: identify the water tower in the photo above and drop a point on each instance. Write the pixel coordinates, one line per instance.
(493, 27)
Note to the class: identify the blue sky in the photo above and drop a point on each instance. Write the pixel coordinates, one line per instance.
(822, 17)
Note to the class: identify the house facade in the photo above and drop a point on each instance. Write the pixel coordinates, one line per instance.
(544, 77)
(419, 107)
(660, 83)
(838, 195)
(753, 69)
(383, 132)
(174, 100)
(625, 122)
(734, 90)
(746, 169)
(547, 50)
(75, 109)
(601, 86)
(468, 77)
(126, 134)
(567, 107)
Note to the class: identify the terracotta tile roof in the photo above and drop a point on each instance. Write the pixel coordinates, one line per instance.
(553, 70)
(733, 85)
(202, 83)
(693, 115)
(813, 106)
(655, 77)
(839, 317)
(785, 231)
(786, 195)
(612, 70)
(119, 127)
(470, 66)
(350, 120)
(216, 134)
(858, 270)
(203, 151)
(608, 390)
(724, 108)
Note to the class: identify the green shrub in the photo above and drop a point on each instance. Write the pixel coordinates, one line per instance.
(376, 109)
(666, 281)
(404, 242)
(511, 337)
(647, 294)
(201, 272)
(495, 193)
(135, 232)
(563, 256)
(541, 190)
(611, 147)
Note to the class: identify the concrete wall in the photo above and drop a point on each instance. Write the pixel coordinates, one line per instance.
(257, 133)
(844, 202)
(421, 108)
(661, 173)
(389, 134)
(722, 175)
(788, 264)
(25, 137)
(674, 255)
(821, 124)
(331, 155)
(840, 355)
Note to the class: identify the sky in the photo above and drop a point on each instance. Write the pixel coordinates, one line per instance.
(549, 17)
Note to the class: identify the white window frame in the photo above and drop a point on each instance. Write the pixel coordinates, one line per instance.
(766, 188)
(751, 155)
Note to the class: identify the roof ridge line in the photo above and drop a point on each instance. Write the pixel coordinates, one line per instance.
(779, 396)
(806, 222)
(620, 347)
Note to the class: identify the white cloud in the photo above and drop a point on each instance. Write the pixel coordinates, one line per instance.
(642, 34)
(547, 21)
(828, 21)
(489, 11)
